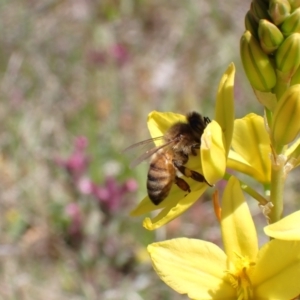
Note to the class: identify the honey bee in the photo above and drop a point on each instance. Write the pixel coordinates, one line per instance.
(179, 142)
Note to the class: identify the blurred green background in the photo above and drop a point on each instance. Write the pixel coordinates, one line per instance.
(88, 72)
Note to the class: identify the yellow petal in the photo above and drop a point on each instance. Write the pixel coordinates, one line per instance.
(146, 206)
(192, 267)
(173, 210)
(160, 122)
(287, 228)
(251, 142)
(176, 194)
(213, 156)
(238, 163)
(277, 272)
(238, 230)
(224, 112)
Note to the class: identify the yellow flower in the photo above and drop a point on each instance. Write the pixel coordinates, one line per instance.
(215, 144)
(251, 148)
(202, 270)
(179, 201)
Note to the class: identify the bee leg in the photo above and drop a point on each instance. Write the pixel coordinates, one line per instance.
(190, 173)
(194, 148)
(207, 120)
(182, 184)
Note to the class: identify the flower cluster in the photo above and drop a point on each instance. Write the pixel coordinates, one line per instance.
(109, 195)
(202, 270)
(270, 52)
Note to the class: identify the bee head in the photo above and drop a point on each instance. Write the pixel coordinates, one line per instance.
(197, 123)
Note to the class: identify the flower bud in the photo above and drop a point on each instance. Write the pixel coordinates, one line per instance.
(286, 124)
(279, 10)
(294, 4)
(250, 23)
(270, 36)
(259, 10)
(293, 155)
(257, 64)
(291, 24)
(295, 78)
(267, 99)
(287, 56)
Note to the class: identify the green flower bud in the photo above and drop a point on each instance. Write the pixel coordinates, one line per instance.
(296, 77)
(250, 24)
(268, 99)
(287, 56)
(257, 64)
(292, 23)
(259, 9)
(294, 4)
(293, 154)
(270, 36)
(279, 10)
(286, 124)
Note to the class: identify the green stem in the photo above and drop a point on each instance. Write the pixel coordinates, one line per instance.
(276, 196)
(269, 116)
(249, 191)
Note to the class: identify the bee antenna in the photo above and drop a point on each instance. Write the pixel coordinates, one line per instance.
(207, 120)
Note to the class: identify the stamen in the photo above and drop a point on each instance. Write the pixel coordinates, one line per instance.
(240, 280)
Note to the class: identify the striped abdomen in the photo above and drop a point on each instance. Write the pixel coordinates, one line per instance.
(161, 176)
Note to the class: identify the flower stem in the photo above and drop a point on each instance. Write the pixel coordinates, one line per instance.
(269, 116)
(253, 193)
(276, 196)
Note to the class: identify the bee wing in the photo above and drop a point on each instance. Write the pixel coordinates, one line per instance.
(149, 152)
(143, 143)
